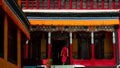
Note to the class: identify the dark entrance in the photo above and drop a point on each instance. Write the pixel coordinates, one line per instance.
(56, 50)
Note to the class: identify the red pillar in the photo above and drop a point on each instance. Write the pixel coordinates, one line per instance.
(32, 4)
(48, 4)
(37, 4)
(113, 4)
(42, 4)
(114, 48)
(119, 42)
(97, 5)
(49, 44)
(102, 4)
(86, 4)
(64, 4)
(81, 4)
(59, 4)
(26, 4)
(119, 4)
(108, 4)
(92, 4)
(26, 50)
(70, 4)
(49, 51)
(92, 51)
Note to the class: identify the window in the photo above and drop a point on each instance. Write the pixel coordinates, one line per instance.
(12, 42)
(89, 3)
(2, 36)
(103, 45)
(56, 3)
(84, 4)
(53, 3)
(38, 46)
(41, 4)
(116, 3)
(30, 4)
(106, 3)
(95, 3)
(78, 3)
(99, 3)
(45, 4)
(110, 3)
(82, 45)
(63, 3)
(74, 3)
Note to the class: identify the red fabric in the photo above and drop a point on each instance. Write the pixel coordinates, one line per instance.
(64, 54)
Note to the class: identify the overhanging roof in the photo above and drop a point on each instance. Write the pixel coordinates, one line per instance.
(74, 21)
(16, 14)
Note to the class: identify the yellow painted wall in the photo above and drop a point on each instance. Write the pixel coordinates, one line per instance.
(108, 49)
(6, 64)
(43, 46)
(75, 46)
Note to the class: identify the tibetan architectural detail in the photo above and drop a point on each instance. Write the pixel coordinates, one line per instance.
(72, 28)
(70, 4)
(104, 28)
(89, 30)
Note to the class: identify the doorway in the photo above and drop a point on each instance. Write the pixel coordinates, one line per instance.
(56, 50)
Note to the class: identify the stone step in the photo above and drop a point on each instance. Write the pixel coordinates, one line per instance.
(56, 66)
(67, 66)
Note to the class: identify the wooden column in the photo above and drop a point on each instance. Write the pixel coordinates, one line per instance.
(19, 48)
(5, 38)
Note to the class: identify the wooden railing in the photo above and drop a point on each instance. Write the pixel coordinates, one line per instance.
(70, 4)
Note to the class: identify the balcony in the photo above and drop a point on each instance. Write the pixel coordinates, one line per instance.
(71, 4)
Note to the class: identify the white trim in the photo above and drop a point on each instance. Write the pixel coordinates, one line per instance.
(113, 37)
(49, 37)
(118, 66)
(27, 41)
(70, 37)
(92, 37)
(67, 11)
(78, 66)
(41, 66)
